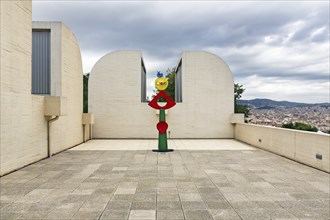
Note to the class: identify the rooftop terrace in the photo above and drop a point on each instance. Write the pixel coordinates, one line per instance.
(124, 179)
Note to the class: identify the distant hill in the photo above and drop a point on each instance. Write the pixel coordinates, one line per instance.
(269, 104)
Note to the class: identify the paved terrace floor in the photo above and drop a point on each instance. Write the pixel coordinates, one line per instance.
(201, 179)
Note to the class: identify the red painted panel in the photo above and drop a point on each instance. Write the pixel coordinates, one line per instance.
(169, 102)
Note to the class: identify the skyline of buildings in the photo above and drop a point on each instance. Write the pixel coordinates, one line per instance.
(316, 116)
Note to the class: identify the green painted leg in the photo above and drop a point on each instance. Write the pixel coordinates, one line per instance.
(162, 138)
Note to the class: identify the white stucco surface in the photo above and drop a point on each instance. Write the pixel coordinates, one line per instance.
(23, 124)
(205, 112)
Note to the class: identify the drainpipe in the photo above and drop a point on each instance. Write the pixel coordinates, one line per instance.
(48, 136)
(90, 132)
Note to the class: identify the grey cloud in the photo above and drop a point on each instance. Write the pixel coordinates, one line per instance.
(232, 30)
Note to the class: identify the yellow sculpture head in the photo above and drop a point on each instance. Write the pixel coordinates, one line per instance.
(161, 83)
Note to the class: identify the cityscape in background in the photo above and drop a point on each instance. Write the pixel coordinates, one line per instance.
(273, 113)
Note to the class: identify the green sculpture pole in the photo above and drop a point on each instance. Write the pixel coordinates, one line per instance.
(161, 84)
(162, 138)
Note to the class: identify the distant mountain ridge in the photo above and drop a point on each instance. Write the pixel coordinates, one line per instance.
(269, 104)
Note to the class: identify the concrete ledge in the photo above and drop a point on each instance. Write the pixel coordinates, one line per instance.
(237, 118)
(301, 146)
(87, 119)
(55, 106)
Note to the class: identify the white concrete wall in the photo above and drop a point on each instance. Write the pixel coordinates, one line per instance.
(115, 94)
(115, 98)
(23, 139)
(207, 98)
(297, 145)
(66, 81)
(23, 125)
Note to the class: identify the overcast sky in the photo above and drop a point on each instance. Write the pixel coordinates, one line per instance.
(276, 49)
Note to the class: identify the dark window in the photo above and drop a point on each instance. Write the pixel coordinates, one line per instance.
(41, 62)
(178, 83)
(143, 83)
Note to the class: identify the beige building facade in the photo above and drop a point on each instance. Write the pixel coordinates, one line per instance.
(24, 138)
(203, 110)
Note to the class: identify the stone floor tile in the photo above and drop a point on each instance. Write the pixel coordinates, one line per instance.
(208, 190)
(188, 190)
(137, 205)
(32, 215)
(244, 205)
(235, 197)
(258, 197)
(146, 190)
(277, 213)
(16, 207)
(170, 215)
(82, 191)
(125, 191)
(197, 215)
(252, 214)
(267, 205)
(60, 215)
(168, 197)
(169, 205)
(119, 205)
(190, 197)
(119, 168)
(87, 215)
(74, 198)
(167, 190)
(10, 215)
(212, 197)
(114, 215)
(218, 205)
(224, 214)
(304, 213)
(90, 206)
(123, 197)
(193, 205)
(142, 215)
(145, 197)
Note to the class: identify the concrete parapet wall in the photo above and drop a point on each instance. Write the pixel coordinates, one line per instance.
(301, 146)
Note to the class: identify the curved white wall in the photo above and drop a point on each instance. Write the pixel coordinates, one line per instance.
(207, 98)
(115, 94)
(23, 125)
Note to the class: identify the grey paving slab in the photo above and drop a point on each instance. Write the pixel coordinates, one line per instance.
(137, 205)
(91, 215)
(221, 214)
(115, 215)
(193, 205)
(197, 215)
(168, 197)
(169, 205)
(214, 183)
(119, 205)
(170, 215)
(142, 215)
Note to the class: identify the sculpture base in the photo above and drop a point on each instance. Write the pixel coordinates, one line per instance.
(168, 150)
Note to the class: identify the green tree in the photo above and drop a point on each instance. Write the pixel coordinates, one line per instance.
(85, 92)
(299, 126)
(170, 90)
(238, 91)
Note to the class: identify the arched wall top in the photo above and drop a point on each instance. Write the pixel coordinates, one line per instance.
(207, 55)
(207, 92)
